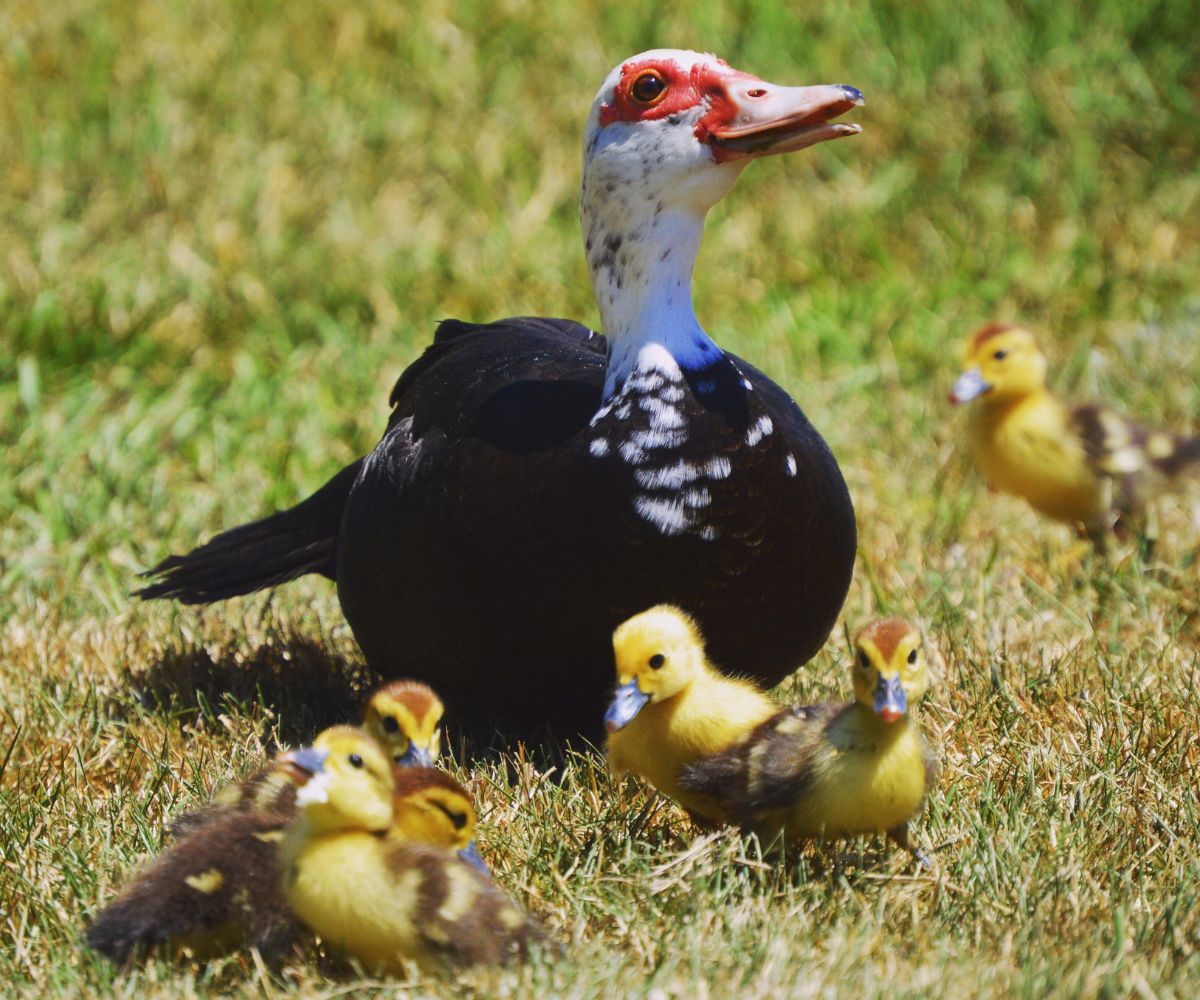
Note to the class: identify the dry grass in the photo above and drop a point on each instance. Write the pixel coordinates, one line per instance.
(220, 222)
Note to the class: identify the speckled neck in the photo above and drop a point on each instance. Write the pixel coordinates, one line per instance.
(641, 270)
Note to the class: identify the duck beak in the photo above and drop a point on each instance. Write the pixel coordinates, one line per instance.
(415, 756)
(470, 854)
(770, 119)
(302, 764)
(626, 702)
(890, 700)
(970, 384)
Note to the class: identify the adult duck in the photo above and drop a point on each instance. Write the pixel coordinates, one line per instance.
(539, 483)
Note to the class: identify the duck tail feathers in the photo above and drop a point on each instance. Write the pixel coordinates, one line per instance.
(270, 551)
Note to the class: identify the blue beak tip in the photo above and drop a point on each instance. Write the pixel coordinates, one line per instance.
(626, 702)
(470, 854)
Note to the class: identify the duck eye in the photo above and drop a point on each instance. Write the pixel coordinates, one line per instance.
(356, 760)
(912, 656)
(656, 661)
(390, 724)
(457, 819)
(864, 661)
(648, 88)
(1000, 355)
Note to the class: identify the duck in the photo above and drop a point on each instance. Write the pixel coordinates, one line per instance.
(837, 769)
(403, 715)
(352, 877)
(406, 717)
(533, 467)
(672, 706)
(1083, 465)
(217, 888)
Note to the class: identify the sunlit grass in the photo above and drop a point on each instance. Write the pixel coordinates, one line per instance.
(224, 230)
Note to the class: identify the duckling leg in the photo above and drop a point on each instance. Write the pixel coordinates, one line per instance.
(899, 836)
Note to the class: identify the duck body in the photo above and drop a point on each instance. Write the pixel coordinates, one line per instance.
(390, 903)
(538, 483)
(822, 771)
(707, 488)
(215, 889)
(1028, 448)
(668, 735)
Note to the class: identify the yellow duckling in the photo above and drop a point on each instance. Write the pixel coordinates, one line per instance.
(352, 879)
(1083, 465)
(218, 887)
(671, 707)
(404, 716)
(835, 769)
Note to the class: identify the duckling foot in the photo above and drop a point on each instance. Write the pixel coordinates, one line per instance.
(899, 837)
(1074, 558)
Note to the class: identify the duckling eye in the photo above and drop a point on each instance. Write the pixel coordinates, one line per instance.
(656, 661)
(356, 760)
(864, 661)
(648, 88)
(1000, 355)
(457, 819)
(912, 656)
(390, 724)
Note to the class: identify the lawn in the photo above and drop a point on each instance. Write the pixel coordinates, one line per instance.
(225, 228)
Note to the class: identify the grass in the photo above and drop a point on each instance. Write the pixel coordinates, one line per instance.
(221, 222)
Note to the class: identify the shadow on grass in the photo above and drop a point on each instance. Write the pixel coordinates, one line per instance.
(299, 680)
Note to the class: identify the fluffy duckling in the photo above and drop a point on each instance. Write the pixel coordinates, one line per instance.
(368, 893)
(218, 887)
(671, 707)
(213, 890)
(404, 716)
(835, 769)
(1083, 465)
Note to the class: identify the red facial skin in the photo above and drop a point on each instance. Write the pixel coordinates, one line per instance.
(686, 88)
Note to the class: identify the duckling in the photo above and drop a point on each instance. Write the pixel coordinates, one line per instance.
(1084, 465)
(211, 891)
(833, 770)
(672, 707)
(404, 716)
(370, 894)
(218, 887)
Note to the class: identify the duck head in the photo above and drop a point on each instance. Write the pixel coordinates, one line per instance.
(345, 780)
(1003, 363)
(432, 808)
(405, 717)
(890, 673)
(668, 134)
(659, 653)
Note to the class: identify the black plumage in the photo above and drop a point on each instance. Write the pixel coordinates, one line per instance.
(485, 549)
(538, 484)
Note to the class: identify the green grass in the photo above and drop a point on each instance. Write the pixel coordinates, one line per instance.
(224, 230)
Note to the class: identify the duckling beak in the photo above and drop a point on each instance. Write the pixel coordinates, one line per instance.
(415, 756)
(470, 854)
(890, 700)
(626, 702)
(303, 763)
(970, 384)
